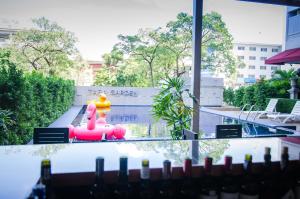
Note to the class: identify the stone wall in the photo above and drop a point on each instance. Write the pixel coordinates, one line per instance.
(211, 94)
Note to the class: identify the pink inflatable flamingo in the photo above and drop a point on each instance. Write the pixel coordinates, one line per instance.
(95, 129)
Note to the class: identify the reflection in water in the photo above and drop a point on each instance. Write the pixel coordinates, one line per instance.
(178, 151)
(212, 148)
(45, 151)
(11, 149)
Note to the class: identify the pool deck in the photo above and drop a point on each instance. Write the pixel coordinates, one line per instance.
(261, 121)
(67, 118)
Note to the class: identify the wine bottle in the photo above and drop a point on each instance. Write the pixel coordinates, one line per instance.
(267, 179)
(122, 190)
(187, 188)
(286, 182)
(166, 188)
(99, 190)
(38, 192)
(249, 186)
(297, 187)
(229, 185)
(146, 189)
(46, 178)
(209, 189)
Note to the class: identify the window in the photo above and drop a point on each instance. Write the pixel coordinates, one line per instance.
(241, 48)
(251, 76)
(241, 57)
(241, 66)
(240, 75)
(263, 68)
(263, 49)
(263, 58)
(251, 67)
(274, 68)
(275, 50)
(262, 76)
(252, 58)
(252, 48)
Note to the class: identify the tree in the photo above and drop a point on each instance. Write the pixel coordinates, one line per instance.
(162, 52)
(113, 58)
(47, 48)
(178, 40)
(143, 46)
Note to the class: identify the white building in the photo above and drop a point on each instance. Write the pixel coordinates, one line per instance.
(253, 56)
(5, 34)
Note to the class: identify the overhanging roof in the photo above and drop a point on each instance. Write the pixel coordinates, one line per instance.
(277, 2)
(291, 56)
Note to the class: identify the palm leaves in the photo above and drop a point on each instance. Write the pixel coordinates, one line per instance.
(284, 74)
(169, 105)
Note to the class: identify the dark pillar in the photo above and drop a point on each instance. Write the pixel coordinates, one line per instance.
(196, 69)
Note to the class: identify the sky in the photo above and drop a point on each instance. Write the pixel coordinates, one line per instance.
(96, 23)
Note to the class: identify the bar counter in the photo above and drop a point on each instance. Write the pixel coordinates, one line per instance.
(20, 165)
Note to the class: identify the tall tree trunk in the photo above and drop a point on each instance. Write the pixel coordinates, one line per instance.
(177, 67)
(151, 74)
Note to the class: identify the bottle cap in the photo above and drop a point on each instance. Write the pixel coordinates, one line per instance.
(145, 163)
(99, 165)
(248, 157)
(267, 150)
(228, 162)
(285, 150)
(46, 162)
(208, 163)
(188, 166)
(166, 169)
(123, 163)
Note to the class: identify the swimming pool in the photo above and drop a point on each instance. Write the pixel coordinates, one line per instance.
(140, 124)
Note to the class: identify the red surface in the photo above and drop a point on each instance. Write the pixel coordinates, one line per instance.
(288, 56)
(291, 139)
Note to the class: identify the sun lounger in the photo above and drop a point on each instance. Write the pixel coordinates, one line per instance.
(287, 116)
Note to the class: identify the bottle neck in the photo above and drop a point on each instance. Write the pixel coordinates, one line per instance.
(145, 173)
(284, 161)
(267, 163)
(45, 175)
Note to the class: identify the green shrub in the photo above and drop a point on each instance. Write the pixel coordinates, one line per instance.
(170, 106)
(228, 96)
(238, 97)
(257, 93)
(248, 97)
(284, 105)
(33, 99)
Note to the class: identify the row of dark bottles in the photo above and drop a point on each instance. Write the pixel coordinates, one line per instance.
(214, 183)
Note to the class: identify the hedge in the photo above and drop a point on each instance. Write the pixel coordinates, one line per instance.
(34, 100)
(257, 94)
(285, 105)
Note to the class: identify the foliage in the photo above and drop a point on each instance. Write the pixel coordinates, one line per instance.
(228, 96)
(169, 105)
(47, 48)
(238, 97)
(159, 53)
(6, 122)
(248, 97)
(257, 94)
(33, 99)
(284, 75)
(285, 105)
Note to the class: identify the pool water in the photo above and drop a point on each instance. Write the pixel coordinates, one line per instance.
(140, 124)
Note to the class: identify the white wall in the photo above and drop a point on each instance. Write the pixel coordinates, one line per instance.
(211, 94)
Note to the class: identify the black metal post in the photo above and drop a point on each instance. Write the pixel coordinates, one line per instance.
(196, 69)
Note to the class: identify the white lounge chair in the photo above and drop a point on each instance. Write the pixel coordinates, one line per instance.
(287, 116)
(270, 109)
